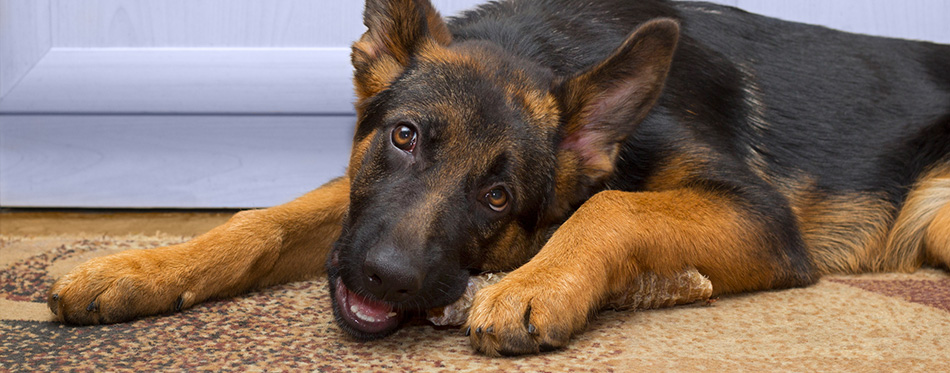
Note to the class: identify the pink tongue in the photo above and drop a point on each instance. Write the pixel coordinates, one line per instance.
(366, 315)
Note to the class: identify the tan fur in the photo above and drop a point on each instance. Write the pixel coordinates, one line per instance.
(378, 76)
(648, 291)
(435, 53)
(844, 233)
(383, 52)
(937, 238)
(254, 249)
(515, 248)
(540, 105)
(358, 152)
(604, 245)
(438, 30)
(925, 204)
(675, 171)
(566, 186)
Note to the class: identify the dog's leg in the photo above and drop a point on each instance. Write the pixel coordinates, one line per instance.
(605, 244)
(921, 233)
(937, 240)
(253, 249)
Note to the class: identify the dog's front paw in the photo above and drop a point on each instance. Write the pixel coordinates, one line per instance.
(119, 288)
(526, 314)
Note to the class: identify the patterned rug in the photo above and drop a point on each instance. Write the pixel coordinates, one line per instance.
(882, 322)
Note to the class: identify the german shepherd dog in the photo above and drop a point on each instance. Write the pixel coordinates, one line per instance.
(579, 144)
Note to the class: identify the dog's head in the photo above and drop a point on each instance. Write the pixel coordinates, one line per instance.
(466, 157)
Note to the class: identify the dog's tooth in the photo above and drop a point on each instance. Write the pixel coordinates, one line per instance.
(361, 316)
(391, 314)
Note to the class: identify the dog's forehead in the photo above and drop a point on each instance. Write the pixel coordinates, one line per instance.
(475, 110)
(474, 87)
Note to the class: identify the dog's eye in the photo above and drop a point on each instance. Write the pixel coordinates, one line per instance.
(497, 199)
(404, 137)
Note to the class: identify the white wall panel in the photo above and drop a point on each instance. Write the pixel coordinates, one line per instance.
(725, 2)
(909, 19)
(24, 39)
(213, 23)
(203, 23)
(167, 161)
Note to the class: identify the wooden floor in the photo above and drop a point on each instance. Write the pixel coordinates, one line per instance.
(33, 223)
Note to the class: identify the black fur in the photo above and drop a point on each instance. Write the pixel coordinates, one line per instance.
(760, 100)
(834, 103)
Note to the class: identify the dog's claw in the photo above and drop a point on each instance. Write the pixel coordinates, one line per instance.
(523, 317)
(54, 304)
(117, 288)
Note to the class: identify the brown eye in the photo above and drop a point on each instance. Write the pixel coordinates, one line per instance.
(497, 199)
(404, 137)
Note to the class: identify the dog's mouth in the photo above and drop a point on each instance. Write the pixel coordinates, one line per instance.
(366, 318)
(358, 315)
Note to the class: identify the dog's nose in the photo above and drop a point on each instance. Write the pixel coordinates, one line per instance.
(390, 275)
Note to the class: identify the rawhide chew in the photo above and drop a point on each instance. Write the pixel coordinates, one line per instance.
(652, 291)
(456, 313)
(649, 291)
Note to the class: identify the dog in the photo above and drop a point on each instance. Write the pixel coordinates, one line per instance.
(579, 144)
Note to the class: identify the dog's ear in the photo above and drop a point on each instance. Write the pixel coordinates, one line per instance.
(395, 30)
(604, 104)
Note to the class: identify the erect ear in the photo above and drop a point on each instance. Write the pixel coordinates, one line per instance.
(604, 104)
(395, 30)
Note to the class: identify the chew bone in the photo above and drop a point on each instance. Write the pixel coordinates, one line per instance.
(652, 291)
(649, 291)
(456, 313)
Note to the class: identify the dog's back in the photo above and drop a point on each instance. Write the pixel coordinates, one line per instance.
(844, 125)
(852, 132)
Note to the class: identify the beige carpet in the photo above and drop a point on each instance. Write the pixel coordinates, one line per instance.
(885, 322)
